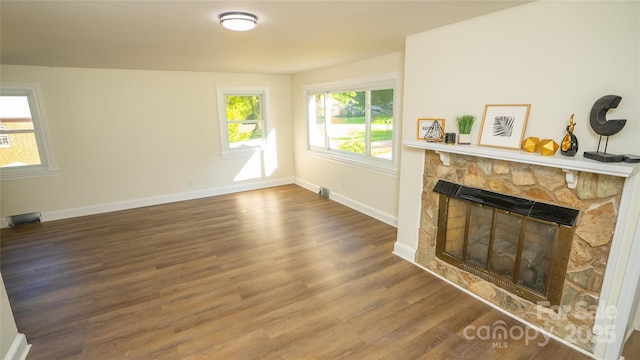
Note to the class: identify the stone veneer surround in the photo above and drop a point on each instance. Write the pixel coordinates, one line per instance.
(597, 196)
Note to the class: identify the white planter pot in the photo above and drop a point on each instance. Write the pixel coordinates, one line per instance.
(464, 139)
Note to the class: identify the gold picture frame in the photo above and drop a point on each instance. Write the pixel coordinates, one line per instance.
(431, 129)
(503, 125)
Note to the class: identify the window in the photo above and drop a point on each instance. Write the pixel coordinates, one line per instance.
(4, 138)
(242, 120)
(354, 122)
(25, 149)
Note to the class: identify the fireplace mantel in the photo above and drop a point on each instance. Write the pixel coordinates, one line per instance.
(570, 165)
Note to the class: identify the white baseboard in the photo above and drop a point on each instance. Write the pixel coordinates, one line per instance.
(307, 185)
(157, 200)
(358, 206)
(19, 348)
(365, 209)
(406, 252)
(165, 199)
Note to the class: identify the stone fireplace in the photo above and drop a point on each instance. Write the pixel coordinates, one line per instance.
(519, 245)
(571, 309)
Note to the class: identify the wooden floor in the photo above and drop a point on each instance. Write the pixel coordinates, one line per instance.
(632, 347)
(278, 273)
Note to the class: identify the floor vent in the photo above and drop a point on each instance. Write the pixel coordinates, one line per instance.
(324, 192)
(30, 218)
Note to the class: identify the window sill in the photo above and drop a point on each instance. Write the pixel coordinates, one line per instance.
(383, 167)
(8, 174)
(240, 153)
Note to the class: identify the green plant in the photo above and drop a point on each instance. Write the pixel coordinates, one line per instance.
(465, 123)
(353, 145)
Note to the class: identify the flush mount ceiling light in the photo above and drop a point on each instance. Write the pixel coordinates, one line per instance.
(238, 21)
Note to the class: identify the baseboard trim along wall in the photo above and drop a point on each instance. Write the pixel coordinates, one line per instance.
(355, 205)
(165, 199)
(157, 200)
(406, 252)
(19, 348)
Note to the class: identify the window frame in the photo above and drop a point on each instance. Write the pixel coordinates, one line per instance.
(377, 82)
(4, 137)
(222, 92)
(47, 166)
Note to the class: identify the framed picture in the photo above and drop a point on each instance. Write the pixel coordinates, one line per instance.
(503, 125)
(431, 129)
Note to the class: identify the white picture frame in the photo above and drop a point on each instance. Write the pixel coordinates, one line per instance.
(503, 126)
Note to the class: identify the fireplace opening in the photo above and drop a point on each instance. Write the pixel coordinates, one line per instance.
(517, 244)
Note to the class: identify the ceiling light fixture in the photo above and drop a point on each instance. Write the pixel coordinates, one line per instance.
(238, 21)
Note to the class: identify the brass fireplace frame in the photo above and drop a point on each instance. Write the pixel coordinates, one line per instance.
(559, 254)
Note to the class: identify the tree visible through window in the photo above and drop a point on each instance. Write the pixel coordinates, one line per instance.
(242, 119)
(355, 122)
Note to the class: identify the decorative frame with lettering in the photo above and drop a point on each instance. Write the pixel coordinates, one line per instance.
(503, 125)
(431, 129)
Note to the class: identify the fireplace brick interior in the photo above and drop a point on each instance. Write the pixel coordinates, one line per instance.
(596, 197)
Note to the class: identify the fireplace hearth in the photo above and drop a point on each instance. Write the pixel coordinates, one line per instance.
(520, 245)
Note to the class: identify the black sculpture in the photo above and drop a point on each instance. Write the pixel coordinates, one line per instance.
(604, 127)
(569, 145)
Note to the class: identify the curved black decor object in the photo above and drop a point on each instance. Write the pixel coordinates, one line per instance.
(598, 119)
(603, 127)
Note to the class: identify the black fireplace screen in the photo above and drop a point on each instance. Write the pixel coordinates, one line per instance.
(520, 245)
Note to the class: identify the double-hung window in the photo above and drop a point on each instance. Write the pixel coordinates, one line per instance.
(25, 149)
(353, 121)
(242, 114)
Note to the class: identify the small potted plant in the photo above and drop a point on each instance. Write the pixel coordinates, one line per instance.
(464, 124)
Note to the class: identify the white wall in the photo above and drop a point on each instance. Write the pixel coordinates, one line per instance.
(634, 323)
(127, 137)
(557, 56)
(8, 329)
(13, 345)
(368, 191)
(560, 57)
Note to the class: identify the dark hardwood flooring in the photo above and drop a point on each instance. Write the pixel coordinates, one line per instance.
(631, 349)
(278, 273)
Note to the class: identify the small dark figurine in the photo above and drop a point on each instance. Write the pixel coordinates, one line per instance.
(569, 145)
